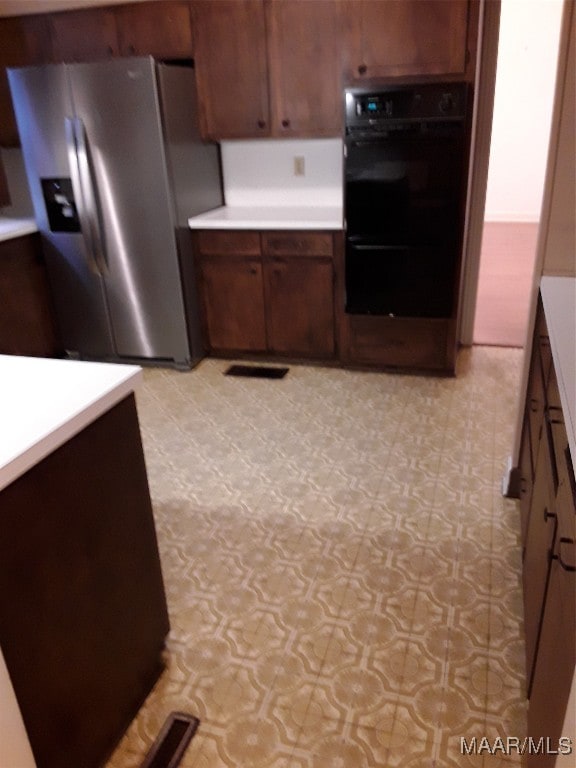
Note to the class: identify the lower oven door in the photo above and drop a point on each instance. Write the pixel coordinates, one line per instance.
(399, 280)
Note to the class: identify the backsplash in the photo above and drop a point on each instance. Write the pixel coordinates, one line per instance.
(262, 172)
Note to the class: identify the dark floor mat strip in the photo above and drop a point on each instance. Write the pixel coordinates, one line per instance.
(257, 371)
(172, 741)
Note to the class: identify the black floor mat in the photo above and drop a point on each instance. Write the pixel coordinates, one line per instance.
(257, 371)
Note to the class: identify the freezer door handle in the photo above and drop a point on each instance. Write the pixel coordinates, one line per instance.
(84, 193)
(70, 129)
(90, 196)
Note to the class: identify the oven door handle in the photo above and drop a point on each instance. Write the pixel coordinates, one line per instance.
(381, 247)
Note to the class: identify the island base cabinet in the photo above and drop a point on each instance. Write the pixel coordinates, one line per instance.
(83, 614)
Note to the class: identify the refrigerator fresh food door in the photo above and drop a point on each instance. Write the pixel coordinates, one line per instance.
(117, 108)
(44, 113)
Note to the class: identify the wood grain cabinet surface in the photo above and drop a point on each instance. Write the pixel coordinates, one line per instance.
(405, 37)
(305, 68)
(161, 28)
(548, 515)
(24, 41)
(269, 292)
(83, 615)
(231, 68)
(27, 325)
(268, 68)
(86, 35)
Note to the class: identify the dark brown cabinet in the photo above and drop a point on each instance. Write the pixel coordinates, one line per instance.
(274, 71)
(299, 289)
(304, 67)
(268, 292)
(548, 514)
(387, 38)
(86, 35)
(4, 191)
(231, 68)
(24, 40)
(83, 614)
(27, 324)
(161, 28)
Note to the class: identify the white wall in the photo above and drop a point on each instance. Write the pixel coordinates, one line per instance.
(526, 73)
(261, 172)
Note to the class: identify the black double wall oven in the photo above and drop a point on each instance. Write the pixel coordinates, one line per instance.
(405, 174)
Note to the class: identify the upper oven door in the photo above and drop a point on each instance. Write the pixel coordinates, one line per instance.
(404, 183)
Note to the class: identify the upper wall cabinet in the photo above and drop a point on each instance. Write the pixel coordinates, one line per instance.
(85, 35)
(304, 67)
(385, 38)
(24, 40)
(268, 68)
(231, 68)
(159, 29)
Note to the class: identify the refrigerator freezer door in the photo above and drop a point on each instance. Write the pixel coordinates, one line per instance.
(118, 105)
(42, 105)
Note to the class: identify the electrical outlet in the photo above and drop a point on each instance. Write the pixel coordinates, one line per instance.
(299, 166)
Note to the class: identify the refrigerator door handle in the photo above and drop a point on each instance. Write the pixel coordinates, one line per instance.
(71, 147)
(90, 196)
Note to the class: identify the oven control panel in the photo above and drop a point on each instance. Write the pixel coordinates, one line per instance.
(430, 101)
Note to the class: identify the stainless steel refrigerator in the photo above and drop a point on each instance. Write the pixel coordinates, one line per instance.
(116, 167)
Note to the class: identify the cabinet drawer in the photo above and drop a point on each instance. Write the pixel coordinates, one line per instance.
(297, 243)
(224, 242)
(398, 342)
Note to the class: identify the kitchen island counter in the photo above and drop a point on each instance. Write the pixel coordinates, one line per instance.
(11, 228)
(45, 402)
(83, 615)
(270, 217)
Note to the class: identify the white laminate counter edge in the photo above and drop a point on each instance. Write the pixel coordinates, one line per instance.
(45, 402)
(272, 217)
(12, 228)
(559, 301)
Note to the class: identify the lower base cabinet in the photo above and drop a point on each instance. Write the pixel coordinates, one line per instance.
(547, 490)
(269, 292)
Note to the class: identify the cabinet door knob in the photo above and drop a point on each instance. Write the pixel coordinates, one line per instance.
(285, 123)
(132, 49)
(362, 69)
(261, 124)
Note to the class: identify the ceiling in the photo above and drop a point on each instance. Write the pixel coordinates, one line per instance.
(22, 7)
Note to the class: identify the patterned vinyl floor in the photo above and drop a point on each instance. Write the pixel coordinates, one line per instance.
(342, 571)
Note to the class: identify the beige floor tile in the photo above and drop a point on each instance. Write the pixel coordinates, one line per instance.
(341, 569)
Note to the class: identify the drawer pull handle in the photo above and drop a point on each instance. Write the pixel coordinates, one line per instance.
(549, 516)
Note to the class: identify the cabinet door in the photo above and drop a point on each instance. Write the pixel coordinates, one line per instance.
(86, 35)
(24, 40)
(27, 325)
(160, 29)
(556, 660)
(304, 67)
(234, 303)
(231, 70)
(537, 558)
(405, 37)
(300, 304)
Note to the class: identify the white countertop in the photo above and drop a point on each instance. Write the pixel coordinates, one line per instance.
(45, 402)
(559, 300)
(270, 217)
(10, 228)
